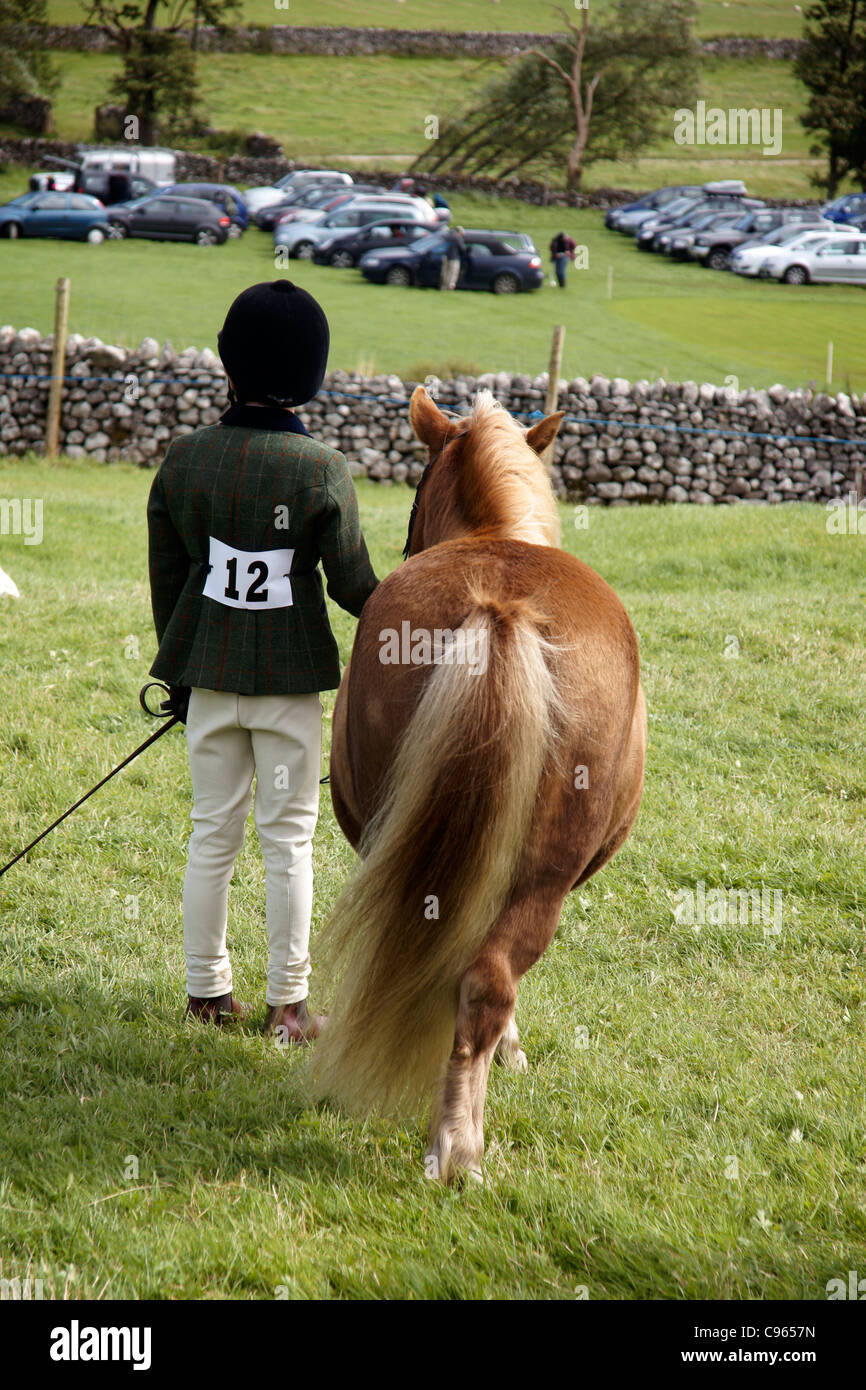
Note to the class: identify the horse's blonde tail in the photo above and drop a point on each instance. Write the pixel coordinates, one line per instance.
(438, 862)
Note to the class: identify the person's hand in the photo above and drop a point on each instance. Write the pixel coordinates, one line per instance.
(178, 701)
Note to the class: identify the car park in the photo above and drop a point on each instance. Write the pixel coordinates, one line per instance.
(309, 201)
(262, 196)
(345, 248)
(315, 196)
(323, 203)
(627, 219)
(302, 238)
(66, 216)
(491, 263)
(678, 241)
(713, 247)
(649, 237)
(835, 258)
(170, 218)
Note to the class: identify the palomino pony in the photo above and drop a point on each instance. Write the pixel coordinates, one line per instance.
(487, 757)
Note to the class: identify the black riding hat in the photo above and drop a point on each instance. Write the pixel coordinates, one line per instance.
(274, 344)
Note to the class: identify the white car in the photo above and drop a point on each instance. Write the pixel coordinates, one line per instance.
(302, 238)
(835, 260)
(782, 262)
(748, 258)
(265, 195)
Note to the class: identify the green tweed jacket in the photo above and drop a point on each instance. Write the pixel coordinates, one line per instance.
(239, 516)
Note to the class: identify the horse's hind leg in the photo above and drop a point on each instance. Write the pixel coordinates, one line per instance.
(487, 995)
(508, 1049)
(485, 1018)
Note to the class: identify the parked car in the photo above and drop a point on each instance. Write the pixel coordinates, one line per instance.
(747, 258)
(491, 263)
(713, 247)
(317, 207)
(260, 197)
(822, 259)
(108, 185)
(678, 241)
(345, 248)
(302, 238)
(69, 216)
(844, 208)
(169, 218)
(225, 195)
(627, 219)
(114, 173)
(315, 198)
(720, 195)
(647, 239)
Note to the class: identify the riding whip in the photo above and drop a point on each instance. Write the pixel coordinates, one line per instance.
(164, 712)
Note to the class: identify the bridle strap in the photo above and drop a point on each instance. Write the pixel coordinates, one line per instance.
(428, 468)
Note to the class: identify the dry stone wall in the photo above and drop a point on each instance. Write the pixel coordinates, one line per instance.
(343, 41)
(621, 443)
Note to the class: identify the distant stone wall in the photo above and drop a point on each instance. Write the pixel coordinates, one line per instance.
(343, 41)
(622, 442)
(246, 171)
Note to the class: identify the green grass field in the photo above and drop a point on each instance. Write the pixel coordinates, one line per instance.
(772, 18)
(291, 99)
(702, 1138)
(677, 321)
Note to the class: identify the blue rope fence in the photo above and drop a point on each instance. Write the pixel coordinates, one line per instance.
(518, 414)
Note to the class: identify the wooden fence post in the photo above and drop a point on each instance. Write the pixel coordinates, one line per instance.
(58, 366)
(553, 374)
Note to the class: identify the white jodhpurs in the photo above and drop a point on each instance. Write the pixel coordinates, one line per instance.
(230, 738)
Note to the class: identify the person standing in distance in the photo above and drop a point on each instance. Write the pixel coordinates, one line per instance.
(240, 516)
(562, 249)
(452, 261)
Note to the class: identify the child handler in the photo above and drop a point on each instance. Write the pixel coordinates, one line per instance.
(239, 516)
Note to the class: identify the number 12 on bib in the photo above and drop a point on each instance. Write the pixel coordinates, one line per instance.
(253, 579)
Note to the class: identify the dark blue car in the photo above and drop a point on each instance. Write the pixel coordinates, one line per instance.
(503, 262)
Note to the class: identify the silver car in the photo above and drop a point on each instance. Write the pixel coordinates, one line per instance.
(302, 238)
(838, 257)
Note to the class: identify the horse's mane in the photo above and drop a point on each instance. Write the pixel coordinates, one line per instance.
(508, 484)
(506, 489)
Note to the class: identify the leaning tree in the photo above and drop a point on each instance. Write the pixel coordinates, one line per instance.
(601, 90)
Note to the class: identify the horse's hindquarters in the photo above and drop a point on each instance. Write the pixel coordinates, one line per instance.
(588, 791)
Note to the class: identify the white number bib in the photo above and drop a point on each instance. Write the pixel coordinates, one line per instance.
(251, 579)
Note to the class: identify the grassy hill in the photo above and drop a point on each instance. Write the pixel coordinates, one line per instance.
(292, 99)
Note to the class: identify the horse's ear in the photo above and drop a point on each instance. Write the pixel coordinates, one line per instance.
(432, 427)
(542, 434)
